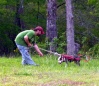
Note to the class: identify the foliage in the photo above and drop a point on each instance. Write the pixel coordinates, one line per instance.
(94, 51)
(86, 19)
(60, 42)
(8, 28)
(3, 2)
(34, 12)
(86, 23)
(91, 2)
(7, 35)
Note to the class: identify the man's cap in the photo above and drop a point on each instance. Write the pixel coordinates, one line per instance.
(40, 29)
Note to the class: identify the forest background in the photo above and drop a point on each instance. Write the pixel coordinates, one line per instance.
(19, 15)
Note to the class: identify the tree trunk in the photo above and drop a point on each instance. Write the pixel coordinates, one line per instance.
(19, 11)
(51, 32)
(70, 28)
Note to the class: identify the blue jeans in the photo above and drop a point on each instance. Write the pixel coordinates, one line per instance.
(26, 58)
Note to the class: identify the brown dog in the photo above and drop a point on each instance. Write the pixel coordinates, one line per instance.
(68, 58)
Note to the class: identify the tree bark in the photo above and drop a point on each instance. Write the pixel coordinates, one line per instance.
(19, 11)
(70, 28)
(51, 32)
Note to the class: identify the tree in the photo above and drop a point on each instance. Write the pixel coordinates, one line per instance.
(70, 28)
(51, 32)
(19, 11)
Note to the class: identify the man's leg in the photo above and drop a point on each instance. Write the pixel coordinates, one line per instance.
(26, 58)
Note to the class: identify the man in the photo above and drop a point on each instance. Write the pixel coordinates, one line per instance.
(24, 40)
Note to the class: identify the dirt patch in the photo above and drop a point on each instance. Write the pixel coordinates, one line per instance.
(5, 80)
(63, 82)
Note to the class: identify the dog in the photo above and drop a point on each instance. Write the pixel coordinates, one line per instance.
(68, 58)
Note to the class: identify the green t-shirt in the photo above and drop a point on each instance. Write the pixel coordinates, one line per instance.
(20, 37)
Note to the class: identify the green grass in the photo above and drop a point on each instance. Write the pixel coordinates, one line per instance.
(49, 73)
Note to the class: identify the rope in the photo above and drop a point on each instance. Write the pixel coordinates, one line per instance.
(55, 53)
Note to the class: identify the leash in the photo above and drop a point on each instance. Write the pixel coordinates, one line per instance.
(46, 50)
(55, 53)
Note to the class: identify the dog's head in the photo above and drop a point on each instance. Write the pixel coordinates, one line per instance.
(61, 59)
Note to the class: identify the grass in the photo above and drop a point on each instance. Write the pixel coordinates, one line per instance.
(49, 73)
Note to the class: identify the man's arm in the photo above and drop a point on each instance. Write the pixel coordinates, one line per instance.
(38, 50)
(26, 39)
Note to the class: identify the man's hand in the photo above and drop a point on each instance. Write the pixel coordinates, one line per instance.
(38, 50)
(29, 45)
(41, 54)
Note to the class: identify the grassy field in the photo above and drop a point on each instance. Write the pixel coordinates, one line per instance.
(49, 73)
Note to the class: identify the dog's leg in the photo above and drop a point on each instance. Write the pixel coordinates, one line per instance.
(77, 62)
(66, 60)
